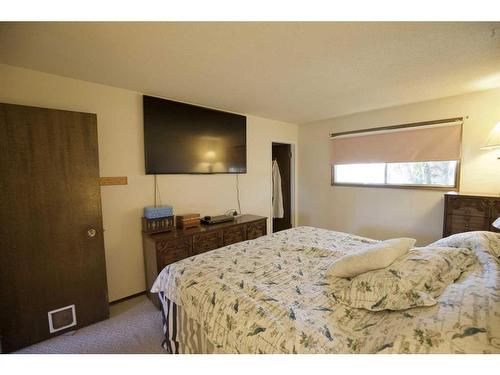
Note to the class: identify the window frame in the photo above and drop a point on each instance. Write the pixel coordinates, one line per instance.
(456, 187)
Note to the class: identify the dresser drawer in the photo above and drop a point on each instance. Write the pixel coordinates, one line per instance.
(495, 210)
(203, 242)
(256, 229)
(460, 223)
(495, 214)
(171, 251)
(233, 235)
(468, 206)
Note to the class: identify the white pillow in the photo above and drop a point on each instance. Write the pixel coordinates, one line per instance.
(371, 257)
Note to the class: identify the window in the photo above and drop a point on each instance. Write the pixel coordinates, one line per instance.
(425, 154)
(415, 174)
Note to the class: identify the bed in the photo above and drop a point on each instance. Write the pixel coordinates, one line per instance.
(270, 295)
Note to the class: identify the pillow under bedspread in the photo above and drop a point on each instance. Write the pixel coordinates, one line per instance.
(415, 279)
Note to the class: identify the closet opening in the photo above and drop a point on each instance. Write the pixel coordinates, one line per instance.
(282, 186)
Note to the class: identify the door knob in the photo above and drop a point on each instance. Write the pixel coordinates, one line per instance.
(91, 232)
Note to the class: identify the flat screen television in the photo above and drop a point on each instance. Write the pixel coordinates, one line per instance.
(180, 138)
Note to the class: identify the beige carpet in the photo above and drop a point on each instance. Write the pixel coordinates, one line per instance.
(135, 326)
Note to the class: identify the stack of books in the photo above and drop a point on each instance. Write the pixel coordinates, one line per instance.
(187, 221)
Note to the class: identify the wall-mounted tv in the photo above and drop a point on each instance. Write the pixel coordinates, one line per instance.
(180, 138)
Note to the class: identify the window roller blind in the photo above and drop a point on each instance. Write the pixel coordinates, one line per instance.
(415, 144)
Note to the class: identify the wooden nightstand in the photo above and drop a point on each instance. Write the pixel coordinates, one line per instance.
(469, 212)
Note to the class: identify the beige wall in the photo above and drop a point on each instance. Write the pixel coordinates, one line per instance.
(383, 212)
(120, 129)
(374, 212)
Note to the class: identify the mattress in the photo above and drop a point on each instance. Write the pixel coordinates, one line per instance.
(270, 295)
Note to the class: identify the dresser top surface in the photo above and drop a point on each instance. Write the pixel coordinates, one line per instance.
(176, 233)
(473, 195)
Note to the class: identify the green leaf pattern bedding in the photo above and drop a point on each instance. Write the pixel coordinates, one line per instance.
(270, 295)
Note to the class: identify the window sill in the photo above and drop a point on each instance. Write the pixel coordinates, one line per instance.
(415, 187)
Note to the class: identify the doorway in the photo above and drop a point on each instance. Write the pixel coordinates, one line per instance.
(283, 157)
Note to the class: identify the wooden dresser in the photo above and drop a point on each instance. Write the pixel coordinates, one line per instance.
(162, 249)
(469, 212)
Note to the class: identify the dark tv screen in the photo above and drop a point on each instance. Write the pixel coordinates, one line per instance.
(181, 138)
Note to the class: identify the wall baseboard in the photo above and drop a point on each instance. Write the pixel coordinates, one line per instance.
(127, 298)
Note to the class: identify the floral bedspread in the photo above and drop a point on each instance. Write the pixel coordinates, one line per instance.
(270, 295)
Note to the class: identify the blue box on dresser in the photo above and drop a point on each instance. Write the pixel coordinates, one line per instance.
(157, 212)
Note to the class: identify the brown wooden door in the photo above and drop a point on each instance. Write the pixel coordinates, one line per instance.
(50, 200)
(282, 154)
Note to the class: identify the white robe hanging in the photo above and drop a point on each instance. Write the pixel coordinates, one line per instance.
(277, 192)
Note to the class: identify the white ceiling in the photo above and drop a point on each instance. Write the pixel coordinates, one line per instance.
(290, 71)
